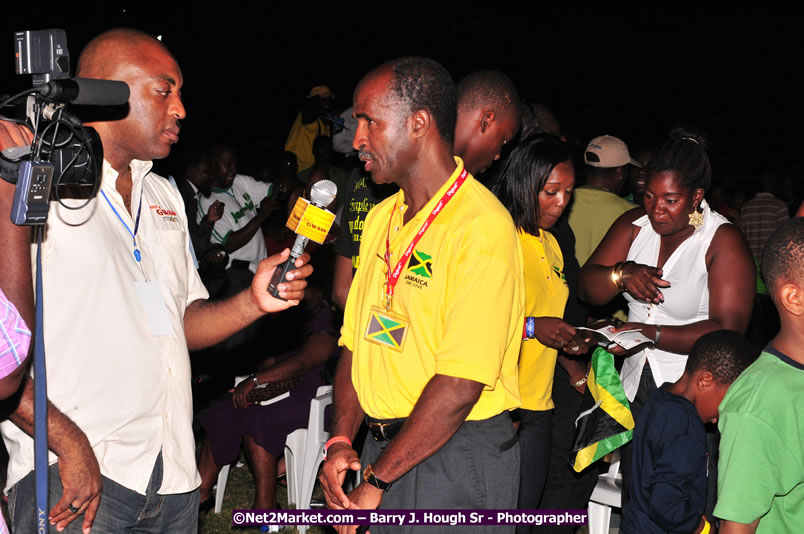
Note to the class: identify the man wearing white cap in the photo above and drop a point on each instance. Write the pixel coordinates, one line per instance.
(597, 204)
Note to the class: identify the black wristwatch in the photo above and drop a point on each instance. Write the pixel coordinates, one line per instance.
(368, 476)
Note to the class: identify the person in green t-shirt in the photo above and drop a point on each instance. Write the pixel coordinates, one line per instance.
(761, 466)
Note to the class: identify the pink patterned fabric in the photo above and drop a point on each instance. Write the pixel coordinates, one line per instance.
(15, 338)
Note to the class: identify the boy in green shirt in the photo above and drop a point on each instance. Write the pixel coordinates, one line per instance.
(761, 466)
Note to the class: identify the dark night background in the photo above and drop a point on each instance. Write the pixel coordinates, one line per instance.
(247, 70)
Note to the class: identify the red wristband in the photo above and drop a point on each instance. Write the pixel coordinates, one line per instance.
(333, 440)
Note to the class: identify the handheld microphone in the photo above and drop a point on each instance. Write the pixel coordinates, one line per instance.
(310, 220)
(86, 91)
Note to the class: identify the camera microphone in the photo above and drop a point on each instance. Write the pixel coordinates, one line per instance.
(85, 91)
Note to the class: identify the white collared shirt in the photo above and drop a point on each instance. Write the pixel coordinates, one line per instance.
(128, 390)
(241, 204)
(686, 301)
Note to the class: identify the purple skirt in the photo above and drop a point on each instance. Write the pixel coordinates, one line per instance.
(268, 425)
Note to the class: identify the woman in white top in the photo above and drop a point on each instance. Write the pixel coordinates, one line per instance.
(686, 271)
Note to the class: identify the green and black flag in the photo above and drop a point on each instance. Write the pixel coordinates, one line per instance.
(421, 264)
(608, 424)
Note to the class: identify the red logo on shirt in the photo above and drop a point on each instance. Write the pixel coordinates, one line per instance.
(166, 213)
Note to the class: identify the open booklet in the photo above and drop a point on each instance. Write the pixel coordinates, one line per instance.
(270, 392)
(607, 338)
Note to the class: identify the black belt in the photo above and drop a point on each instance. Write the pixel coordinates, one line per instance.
(384, 429)
(387, 429)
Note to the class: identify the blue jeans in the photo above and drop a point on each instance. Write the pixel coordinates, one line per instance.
(121, 510)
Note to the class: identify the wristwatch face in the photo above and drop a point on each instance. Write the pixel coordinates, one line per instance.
(370, 478)
(368, 475)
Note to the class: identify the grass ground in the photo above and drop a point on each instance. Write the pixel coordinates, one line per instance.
(240, 494)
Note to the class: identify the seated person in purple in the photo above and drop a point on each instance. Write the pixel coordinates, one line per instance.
(669, 474)
(305, 340)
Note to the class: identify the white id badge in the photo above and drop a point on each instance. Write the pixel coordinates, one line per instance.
(153, 304)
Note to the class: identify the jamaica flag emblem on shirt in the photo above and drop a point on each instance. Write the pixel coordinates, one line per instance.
(559, 273)
(421, 264)
(386, 330)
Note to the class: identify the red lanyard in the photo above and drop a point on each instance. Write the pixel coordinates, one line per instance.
(393, 277)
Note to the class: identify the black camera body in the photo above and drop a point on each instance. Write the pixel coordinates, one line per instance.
(65, 157)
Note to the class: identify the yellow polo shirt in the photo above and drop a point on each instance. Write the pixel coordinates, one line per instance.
(462, 292)
(546, 296)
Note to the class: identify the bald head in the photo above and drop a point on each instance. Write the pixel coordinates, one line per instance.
(154, 106)
(104, 54)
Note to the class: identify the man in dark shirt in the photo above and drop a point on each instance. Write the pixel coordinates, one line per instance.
(194, 181)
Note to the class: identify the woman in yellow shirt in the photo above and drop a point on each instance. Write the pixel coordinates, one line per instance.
(536, 186)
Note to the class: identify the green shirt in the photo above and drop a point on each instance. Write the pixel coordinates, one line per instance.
(592, 213)
(761, 464)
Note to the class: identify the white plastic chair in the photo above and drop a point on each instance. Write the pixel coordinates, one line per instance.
(223, 476)
(607, 494)
(304, 452)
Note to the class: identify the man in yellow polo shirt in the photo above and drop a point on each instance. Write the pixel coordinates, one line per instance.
(433, 321)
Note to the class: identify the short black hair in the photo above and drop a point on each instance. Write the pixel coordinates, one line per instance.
(684, 153)
(783, 255)
(489, 88)
(723, 353)
(421, 83)
(525, 172)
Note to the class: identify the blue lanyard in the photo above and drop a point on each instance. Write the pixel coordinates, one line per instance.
(40, 393)
(137, 255)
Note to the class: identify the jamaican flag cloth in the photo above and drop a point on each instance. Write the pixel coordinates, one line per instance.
(608, 424)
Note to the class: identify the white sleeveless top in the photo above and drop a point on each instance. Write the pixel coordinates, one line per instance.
(685, 301)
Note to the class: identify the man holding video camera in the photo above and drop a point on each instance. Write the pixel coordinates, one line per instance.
(122, 304)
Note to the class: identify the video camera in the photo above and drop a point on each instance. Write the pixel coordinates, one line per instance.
(65, 155)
